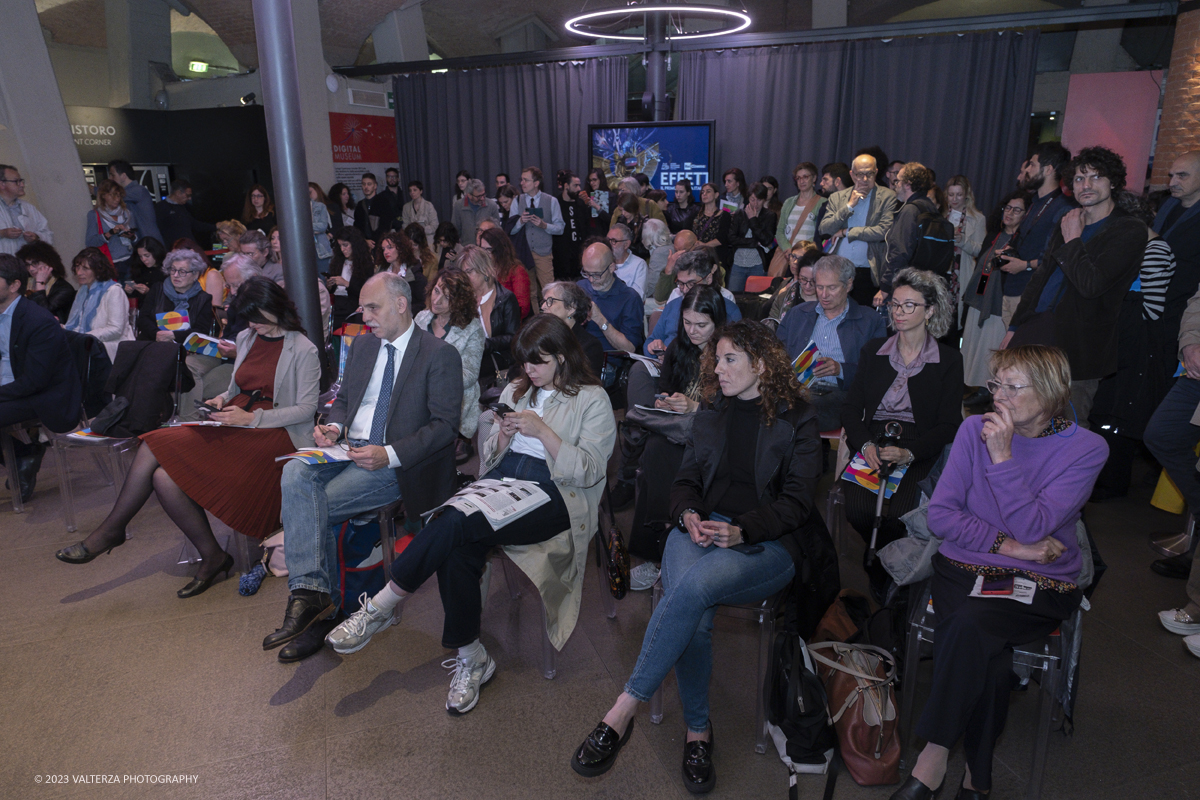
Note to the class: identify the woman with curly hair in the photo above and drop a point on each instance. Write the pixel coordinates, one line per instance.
(510, 272)
(910, 379)
(742, 512)
(349, 269)
(451, 314)
(396, 253)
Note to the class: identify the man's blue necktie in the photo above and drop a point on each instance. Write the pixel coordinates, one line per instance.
(379, 420)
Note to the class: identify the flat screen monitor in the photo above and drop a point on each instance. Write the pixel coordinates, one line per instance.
(666, 151)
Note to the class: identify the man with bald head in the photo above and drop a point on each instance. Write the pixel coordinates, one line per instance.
(396, 419)
(857, 220)
(683, 242)
(616, 318)
(1178, 222)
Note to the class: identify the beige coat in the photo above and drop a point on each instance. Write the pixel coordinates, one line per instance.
(297, 386)
(588, 430)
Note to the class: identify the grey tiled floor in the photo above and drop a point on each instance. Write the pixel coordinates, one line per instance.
(105, 671)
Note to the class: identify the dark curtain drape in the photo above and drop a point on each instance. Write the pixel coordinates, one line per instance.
(502, 119)
(958, 104)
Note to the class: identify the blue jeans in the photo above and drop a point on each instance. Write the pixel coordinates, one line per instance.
(738, 275)
(1171, 437)
(698, 579)
(316, 496)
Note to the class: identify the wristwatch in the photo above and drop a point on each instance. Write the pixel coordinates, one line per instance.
(683, 527)
(604, 327)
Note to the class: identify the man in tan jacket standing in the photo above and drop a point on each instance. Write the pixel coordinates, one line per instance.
(857, 219)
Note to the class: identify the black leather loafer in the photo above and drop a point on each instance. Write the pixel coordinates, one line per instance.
(309, 643)
(599, 750)
(699, 775)
(302, 611)
(970, 794)
(913, 789)
(1174, 567)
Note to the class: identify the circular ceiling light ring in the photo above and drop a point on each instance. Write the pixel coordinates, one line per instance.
(736, 21)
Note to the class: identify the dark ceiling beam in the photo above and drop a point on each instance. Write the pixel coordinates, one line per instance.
(1037, 19)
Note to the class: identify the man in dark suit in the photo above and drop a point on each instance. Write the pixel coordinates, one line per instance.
(174, 215)
(38, 378)
(398, 412)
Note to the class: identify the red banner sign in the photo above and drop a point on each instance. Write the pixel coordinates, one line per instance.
(363, 138)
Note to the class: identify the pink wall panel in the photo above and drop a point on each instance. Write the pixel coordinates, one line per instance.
(1116, 110)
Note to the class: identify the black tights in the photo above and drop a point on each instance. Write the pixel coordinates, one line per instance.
(145, 476)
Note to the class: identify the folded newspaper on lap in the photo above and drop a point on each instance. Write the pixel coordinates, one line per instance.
(501, 501)
(1022, 590)
(318, 455)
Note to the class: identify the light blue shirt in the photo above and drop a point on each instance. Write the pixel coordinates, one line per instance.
(825, 334)
(6, 373)
(857, 251)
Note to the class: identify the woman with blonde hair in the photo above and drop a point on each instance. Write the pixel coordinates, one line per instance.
(110, 224)
(498, 310)
(229, 231)
(969, 228)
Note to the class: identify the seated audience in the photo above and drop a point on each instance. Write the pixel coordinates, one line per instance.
(349, 269)
(498, 310)
(560, 436)
(736, 540)
(429, 261)
(839, 327)
(630, 185)
(629, 214)
(910, 379)
(680, 244)
(257, 245)
(676, 388)
(210, 280)
(445, 245)
(180, 293)
(397, 416)
(616, 316)
(983, 295)
(38, 376)
(751, 239)
(230, 233)
(100, 307)
(799, 287)
(230, 472)
(48, 286)
(1006, 507)
(510, 272)
(111, 224)
(146, 268)
(694, 268)
(452, 315)
(629, 267)
(258, 212)
(396, 253)
(572, 305)
(682, 211)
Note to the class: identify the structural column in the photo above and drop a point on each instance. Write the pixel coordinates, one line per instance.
(1179, 130)
(35, 136)
(285, 134)
(139, 35)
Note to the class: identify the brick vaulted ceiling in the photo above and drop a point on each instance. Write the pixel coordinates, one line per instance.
(454, 28)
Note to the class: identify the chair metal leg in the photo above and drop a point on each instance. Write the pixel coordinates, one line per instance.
(610, 602)
(188, 554)
(10, 464)
(766, 622)
(1174, 544)
(64, 486)
(241, 543)
(511, 577)
(549, 670)
(387, 540)
(833, 517)
(1047, 699)
(912, 663)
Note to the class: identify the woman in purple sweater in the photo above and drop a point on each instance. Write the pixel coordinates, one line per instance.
(1006, 506)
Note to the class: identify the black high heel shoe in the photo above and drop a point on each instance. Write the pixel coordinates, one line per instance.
(78, 554)
(200, 585)
(913, 789)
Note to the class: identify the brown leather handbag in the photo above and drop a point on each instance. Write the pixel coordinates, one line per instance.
(859, 681)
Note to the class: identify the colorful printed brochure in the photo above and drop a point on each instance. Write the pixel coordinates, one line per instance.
(318, 455)
(857, 471)
(172, 321)
(806, 362)
(203, 345)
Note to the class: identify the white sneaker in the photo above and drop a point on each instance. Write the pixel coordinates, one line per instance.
(353, 634)
(1192, 643)
(466, 682)
(1179, 621)
(643, 576)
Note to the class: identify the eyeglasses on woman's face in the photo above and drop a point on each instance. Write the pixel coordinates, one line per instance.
(179, 272)
(907, 307)
(999, 389)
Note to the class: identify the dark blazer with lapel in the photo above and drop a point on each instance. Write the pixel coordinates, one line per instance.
(935, 391)
(423, 417)
(44, 372)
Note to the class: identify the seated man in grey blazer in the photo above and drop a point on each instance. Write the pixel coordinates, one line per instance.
(398, 413)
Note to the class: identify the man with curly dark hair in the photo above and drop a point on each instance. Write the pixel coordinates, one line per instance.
(1075, 295)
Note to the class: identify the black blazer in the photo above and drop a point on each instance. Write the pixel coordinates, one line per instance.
(58, 300)
(200, 314)
(762, 232)
(506, 321)
(424, 415)
(935, 391)
(44, 372)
